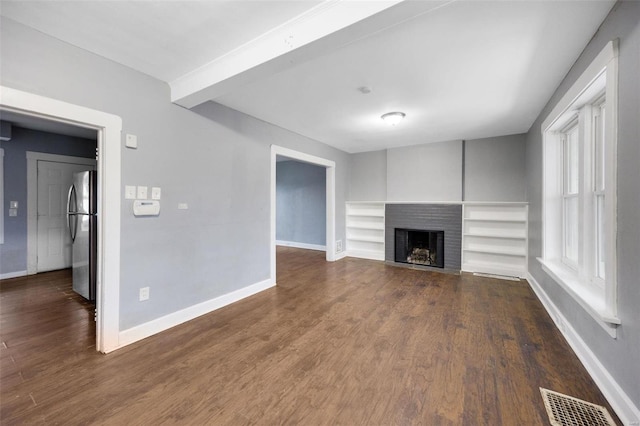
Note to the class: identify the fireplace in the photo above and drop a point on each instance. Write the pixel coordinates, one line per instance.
(423, 216)
(419, 247)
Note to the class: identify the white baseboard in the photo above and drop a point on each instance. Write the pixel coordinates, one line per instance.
(139, 332)
(341, 255)
(301, 245)
(624, 407)
(15, 274)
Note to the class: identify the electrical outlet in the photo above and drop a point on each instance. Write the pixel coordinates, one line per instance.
(339, 246)
(144, 293)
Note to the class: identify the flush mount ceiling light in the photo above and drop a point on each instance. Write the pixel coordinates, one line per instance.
(393, 118)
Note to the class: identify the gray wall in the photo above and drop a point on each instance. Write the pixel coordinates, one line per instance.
(368, 178)
(216, 160)
(494, 169)
(5, 130)
(429, 172)
(301, 203)
(13, 253)
(621, 356)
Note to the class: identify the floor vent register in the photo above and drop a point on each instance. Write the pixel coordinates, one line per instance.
(564, 410)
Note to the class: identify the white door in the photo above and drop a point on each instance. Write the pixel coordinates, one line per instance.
(54, 243)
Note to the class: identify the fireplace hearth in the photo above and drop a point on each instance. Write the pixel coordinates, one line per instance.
(419, 247)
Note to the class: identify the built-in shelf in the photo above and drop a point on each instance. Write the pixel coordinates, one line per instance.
(365, 230)
(365, 210)
(502, 237)
(365, 238)
(491, 250)
(497, 220)
(494, 235)
(377, 226)
(494, 238)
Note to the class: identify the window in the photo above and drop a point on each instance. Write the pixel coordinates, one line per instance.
(570, 196)
(579, 203)
(583, 191)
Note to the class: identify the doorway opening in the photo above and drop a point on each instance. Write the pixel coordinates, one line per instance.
(300, 204)
(330, 219)
(108, 128)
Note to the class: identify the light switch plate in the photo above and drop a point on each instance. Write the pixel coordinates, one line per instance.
(142, 193)
(130, 192)
(131, 141)
(183, 206)
(13, 204)
(156, 193)
(13, 212)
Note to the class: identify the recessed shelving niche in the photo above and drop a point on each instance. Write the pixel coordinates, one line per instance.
(365, 230)
(494, 238)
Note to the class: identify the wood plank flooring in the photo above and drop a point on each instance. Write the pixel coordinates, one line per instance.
(354, 342)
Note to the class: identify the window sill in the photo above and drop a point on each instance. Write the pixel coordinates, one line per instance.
(591, 301)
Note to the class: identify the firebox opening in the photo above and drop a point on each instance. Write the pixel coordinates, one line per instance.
(420, 247)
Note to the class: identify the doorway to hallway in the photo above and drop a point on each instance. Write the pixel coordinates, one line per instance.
(109, 128)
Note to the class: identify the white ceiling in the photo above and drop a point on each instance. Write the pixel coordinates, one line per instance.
(458, 69)
(165, 39)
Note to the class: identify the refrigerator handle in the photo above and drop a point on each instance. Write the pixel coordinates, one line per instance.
(72, 233)
(75, 229)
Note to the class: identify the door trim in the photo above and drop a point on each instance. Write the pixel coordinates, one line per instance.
(330, 167)
(109, 129)
(32, 199)
(1, 196)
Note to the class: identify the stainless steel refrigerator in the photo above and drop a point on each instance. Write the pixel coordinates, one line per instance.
(82, 223)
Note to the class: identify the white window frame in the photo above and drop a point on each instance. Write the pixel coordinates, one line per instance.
(597, 190)
(567, 194)
(598, 297)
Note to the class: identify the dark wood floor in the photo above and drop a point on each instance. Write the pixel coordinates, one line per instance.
(352, 342)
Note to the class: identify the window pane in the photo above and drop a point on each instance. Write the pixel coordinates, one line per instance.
(571, 162)
(600, 237)
(571, 229)
(598, 131)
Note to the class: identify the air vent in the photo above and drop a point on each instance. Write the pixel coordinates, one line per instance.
(564, 410)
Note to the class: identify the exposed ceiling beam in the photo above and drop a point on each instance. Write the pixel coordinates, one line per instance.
(323, 28)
